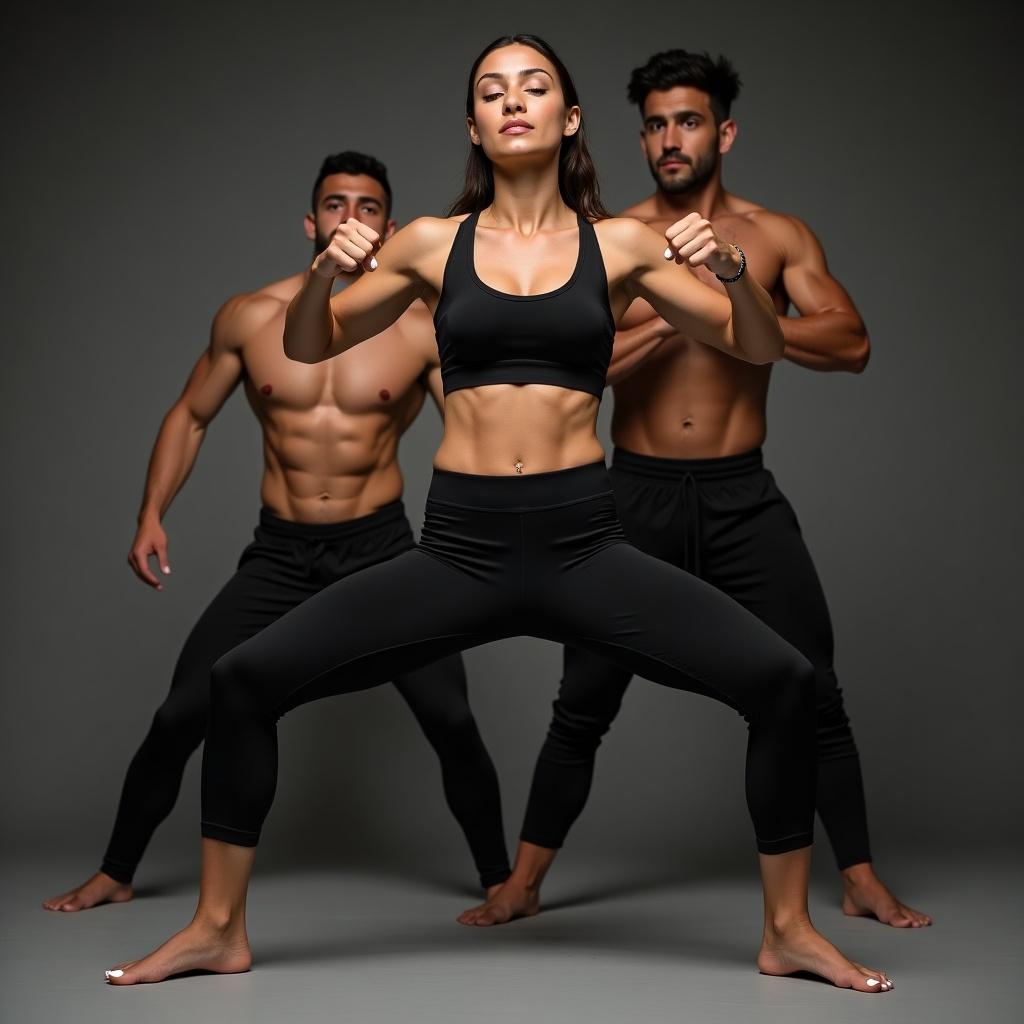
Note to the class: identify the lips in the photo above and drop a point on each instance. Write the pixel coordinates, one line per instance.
(516, 127)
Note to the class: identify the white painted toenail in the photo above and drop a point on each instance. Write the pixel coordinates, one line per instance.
(668, 254)
(872, 981)
(114, 974)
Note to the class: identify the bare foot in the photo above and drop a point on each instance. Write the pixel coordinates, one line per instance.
(199, 947)
(799, 947)
(509, 902)
(864, 895)
(101, 888)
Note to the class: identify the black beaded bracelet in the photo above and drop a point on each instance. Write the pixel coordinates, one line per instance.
(739, 273)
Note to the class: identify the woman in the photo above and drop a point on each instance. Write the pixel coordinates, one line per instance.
(521, 534)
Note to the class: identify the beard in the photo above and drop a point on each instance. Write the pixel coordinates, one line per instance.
(702, 169)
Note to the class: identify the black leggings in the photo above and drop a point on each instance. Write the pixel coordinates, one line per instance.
(726, 521)
(286, 564)
(541, 555)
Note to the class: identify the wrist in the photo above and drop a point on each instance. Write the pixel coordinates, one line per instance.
(736, 267)
(149, 516)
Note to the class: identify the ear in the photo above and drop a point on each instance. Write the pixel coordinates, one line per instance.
(309, 224)
(572, 121)
(390, 230)
(474, 135)
(727, 135)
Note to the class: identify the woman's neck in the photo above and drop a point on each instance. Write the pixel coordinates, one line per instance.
(528, 200)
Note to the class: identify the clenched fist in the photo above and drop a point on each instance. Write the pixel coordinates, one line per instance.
(693, 241)
(352, 246)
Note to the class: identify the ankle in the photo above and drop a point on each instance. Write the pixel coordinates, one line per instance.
(223, 921)
(782, 924)
(858, 874)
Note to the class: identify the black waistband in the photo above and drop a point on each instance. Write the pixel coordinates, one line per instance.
(272, 523)
(678, 469)
(531, 492)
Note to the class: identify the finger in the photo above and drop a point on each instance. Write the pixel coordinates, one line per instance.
(682, 226)
(139, 561)
(357, 247)
(161, 554)
(703, 254)
(373, 237)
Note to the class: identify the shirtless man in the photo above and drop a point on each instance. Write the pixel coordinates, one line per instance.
(331, 494)
(688, 427)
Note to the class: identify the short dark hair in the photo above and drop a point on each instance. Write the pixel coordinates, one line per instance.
(351, 162)
(718, 78)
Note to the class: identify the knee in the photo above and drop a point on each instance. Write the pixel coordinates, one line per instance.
(231, 681)
(792, 682)
(179, 723)
(450, 728)
(576, 730)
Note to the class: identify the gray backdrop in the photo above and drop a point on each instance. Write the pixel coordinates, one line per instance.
(159, 160)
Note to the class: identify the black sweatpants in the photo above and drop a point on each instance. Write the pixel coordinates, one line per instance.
(726, 521)
(286, 564)
(542, 555)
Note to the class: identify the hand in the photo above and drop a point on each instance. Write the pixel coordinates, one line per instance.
(149, 540)
(352, 246)
(693, 241)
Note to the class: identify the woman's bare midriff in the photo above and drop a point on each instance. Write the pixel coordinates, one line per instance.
(508, 429)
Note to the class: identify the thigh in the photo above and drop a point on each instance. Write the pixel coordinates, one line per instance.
(592, 686)
(667, 625)
(437, 694)
(369, 628)
(257, 594)
(757, 555)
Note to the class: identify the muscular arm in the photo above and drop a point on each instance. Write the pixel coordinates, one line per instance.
(743, 324)
(635, 340)
(318, 327)
(829, 333)
(213, 378)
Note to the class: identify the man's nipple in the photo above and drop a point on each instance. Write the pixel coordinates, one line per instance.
(385, 395)
(267, 389)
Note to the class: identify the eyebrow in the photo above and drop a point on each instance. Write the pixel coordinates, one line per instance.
(522, 74)
(359, 199)
(675, 114)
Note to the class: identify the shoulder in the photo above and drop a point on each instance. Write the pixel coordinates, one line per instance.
(424, 234)
(625, 231)
(245, 313)
(792, 235)
(644, 210)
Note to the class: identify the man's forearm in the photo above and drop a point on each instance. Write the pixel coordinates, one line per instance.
(174, 455)
(826, 341)
(634, 344)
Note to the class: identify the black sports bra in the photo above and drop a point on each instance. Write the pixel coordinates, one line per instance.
(562, 337)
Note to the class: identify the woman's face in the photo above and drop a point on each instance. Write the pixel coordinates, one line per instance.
(518, 107)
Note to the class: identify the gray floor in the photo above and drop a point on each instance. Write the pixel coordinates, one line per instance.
(372, 948)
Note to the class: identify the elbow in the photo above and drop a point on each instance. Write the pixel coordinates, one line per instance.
(863, 355)
(858, 356)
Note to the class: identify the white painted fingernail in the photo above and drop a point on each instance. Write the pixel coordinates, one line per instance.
(373, 262)
(872, 981)
(668, 253)
(114, 974)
